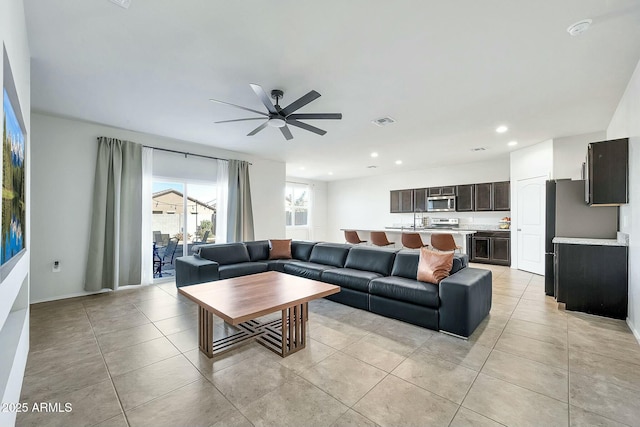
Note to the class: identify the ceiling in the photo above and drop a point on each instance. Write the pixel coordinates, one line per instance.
(449, 72)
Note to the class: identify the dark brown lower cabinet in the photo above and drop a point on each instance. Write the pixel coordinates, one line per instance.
(592, 279)
(490, 247)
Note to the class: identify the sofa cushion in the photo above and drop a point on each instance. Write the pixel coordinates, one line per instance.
(434, 266)
(226, 253)
(280, 249)
(258, 250)
(405, 263)
(309, 270)
(407, 290)
(349, 278)
(371, 259)
(301, 249)
(241, 269)
(332, 254)
(277, 264)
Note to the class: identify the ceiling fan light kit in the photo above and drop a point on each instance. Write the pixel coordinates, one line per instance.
(279, 117)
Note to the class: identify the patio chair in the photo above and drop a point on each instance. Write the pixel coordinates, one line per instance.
(166, 257)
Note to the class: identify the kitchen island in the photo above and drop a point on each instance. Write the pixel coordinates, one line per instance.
(394, 234)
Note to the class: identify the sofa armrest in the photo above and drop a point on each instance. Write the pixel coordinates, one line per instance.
(465, 300)
(193, 269)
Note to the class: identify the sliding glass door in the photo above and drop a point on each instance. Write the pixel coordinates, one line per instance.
(180, 222)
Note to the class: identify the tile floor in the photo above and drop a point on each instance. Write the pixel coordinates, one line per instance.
(131, 358)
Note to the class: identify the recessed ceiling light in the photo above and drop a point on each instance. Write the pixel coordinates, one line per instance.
(301, 168)
(512, 143)
(579, 27)
(330, 173)
(398, 162)
(502, 129)
(122, 3)
(374, 154)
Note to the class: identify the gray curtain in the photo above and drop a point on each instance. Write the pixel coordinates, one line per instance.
(239, 211)
(115, 250)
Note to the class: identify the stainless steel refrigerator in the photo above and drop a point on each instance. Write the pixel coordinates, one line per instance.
(568, 215)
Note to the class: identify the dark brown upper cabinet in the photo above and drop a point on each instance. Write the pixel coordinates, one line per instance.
(483, 196)
(464, 199)
(420, 199)
(607, 181)
(502, 196)
(449, 190)
(401, 201)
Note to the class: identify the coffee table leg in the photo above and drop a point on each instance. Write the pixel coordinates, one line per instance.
(205, 331)
(294, 331)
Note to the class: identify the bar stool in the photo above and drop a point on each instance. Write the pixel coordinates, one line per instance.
(351, 236)
(379, 238)
(412, 241)
(444, 242)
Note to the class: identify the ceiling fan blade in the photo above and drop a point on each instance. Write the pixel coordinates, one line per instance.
(306, 127)
(315, 116)
(286, 132)
(262, 113)
(300, 102)
(264, 98)
(240, 120)
(258, 129)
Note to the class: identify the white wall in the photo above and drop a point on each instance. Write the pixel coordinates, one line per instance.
(14, 289)
(64, 159)
(626, 123)
(529, 162)
(569, 153)
(364, 202)
(318, 212)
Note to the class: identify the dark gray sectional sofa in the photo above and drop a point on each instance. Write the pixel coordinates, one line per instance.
(379, 280)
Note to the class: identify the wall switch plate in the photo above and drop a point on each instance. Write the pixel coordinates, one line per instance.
(56, 267)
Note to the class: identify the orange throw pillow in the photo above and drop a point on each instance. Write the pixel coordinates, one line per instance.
(434, 266)
(280, 249)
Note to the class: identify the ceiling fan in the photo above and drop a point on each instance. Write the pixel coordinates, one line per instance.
(281, 117)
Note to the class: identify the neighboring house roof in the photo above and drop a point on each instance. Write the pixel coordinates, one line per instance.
(178, 193)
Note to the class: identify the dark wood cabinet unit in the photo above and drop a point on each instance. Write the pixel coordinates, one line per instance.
(490, 247)
(607, 173)
(464, 199)
(490, 196)
(483, 196)
(502, 196)
(420, 199)
(592, 279)
(401, 201)
(442, 191)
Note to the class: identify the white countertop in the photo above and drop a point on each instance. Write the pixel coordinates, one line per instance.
(417, 230)
(585, 241)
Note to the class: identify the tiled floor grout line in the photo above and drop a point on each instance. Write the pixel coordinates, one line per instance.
(106, 367)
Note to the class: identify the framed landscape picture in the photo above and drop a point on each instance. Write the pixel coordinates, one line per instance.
(12, 229)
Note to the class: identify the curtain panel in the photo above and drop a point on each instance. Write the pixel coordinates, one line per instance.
(115, 247)
(239, 209)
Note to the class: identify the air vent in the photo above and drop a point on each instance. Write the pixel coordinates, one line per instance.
(479, 149)
(122, 3)
(383, 121)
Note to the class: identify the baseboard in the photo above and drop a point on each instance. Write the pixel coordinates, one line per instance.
(73, 295)
(85, 293)
(634, 331)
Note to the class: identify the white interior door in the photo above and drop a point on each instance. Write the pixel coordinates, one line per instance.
(530, 224)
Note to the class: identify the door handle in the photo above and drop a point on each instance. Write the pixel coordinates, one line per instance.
(519, 229)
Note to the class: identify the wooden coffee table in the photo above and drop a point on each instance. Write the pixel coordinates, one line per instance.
(240, 300)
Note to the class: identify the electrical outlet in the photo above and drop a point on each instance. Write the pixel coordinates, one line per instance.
(56, 267)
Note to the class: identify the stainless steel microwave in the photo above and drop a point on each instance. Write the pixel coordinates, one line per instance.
(441, 204)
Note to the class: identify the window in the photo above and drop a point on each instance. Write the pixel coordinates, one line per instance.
(296, 204)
